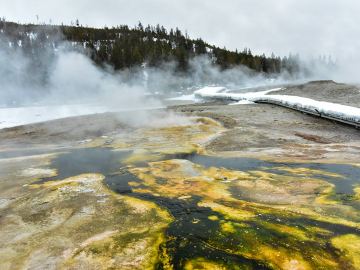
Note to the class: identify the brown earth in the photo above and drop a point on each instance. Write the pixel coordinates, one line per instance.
(263, 129)
(329, 91)
(259, 129)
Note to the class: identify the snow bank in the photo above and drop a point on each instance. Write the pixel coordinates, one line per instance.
(222, 93)
(324, 109)
(243, 102)
(330, 110)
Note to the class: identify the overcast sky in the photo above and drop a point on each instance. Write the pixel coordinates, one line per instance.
(309, 27)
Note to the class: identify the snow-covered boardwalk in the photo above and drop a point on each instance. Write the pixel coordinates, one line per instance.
(342, 113)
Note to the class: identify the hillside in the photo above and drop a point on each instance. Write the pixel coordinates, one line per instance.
(124, 47)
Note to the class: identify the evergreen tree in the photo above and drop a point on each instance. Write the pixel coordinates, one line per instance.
(124, 47)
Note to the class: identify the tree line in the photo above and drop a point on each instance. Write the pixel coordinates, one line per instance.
(124, 48)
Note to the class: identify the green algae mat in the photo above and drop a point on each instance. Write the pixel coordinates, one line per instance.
(149, 205)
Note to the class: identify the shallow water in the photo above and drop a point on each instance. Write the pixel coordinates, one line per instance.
(192, 234)
(106, 161)
(345, 186)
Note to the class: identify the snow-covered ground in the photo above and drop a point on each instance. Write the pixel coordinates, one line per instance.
(11, 117)
(321, 108)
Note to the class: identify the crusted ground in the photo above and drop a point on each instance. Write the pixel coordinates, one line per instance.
(78, 222)
(282, 210)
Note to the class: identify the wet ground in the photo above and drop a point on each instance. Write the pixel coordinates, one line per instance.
(227, 212)
(196, 233)
(241, 187)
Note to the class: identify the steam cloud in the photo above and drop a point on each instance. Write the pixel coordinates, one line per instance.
(69, 77)
(64, 74)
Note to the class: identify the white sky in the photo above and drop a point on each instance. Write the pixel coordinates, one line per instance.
(309, 27)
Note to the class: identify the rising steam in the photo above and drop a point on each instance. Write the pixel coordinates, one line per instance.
(64, 74)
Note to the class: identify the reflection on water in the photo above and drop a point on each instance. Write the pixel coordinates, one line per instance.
(345, 186)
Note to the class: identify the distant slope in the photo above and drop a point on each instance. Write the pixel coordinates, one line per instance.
(328, 91)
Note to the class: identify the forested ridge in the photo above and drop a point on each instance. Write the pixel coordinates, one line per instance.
(124, 47)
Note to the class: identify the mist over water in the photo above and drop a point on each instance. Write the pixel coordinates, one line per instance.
(63, 74)
(63, 81)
